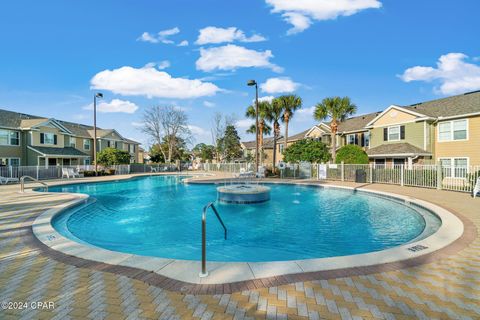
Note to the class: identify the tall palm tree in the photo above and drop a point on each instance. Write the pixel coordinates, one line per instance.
(289, 103)
(274, 115)
(262, 112)
(337, 109)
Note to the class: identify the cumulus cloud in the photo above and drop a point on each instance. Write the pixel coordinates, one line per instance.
(199, 134)
(305, 114)
(150, 82)
(116, 105)
(301, 13)
(208, 104)
(244, 124)
(220, 35)
(183, 43)
(265, 98)
(453, 72)
(279, 85)
(160, 37)
(231, 57)
(159, 65)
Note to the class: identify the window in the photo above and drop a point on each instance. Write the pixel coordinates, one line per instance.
(453, 130)
(86, 144)
(366, 139)
(10, 162)
(280, 147)
(394, 133)
(71, 141)
(398, 162)
(87, 161)
(351, 139)
(454, 167)
(9, 138)
(379, 163)
(48, 138)
(109, 143)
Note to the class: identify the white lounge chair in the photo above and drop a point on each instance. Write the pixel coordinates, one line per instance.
(261, 172)
(72, 173)
(152, 169)
(476, 190)
(65, 173)
(4, 180)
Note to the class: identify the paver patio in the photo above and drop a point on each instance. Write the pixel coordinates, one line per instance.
(448, 287)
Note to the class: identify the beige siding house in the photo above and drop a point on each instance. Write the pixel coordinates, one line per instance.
(29, 140)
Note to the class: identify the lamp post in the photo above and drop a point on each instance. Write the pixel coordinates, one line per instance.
(254, 83)
(99, 96)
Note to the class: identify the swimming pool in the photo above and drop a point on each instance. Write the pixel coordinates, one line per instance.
(161, 216)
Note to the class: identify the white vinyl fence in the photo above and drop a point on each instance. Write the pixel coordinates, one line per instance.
(425, 176)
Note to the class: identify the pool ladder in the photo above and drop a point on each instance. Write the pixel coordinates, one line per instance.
(22, 183)
(204, 272)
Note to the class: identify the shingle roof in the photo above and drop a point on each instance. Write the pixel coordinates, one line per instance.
(10, 119)
(356, 123)
(451, 106)
(267, 143)
(298, 136)
(396, 149)
(67, 151)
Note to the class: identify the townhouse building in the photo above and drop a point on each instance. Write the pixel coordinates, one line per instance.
(28, 140)
(445, 131)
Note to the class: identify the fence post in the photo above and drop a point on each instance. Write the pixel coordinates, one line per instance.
(371, 173)
(401, 175)
(439, 176)
(342, 172)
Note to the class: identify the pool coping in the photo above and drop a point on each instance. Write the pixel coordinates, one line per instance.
(182, 275)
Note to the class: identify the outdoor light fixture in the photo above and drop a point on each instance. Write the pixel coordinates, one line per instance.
(254, 83)
(98, 95)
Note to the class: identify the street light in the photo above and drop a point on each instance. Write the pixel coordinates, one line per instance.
(99, 96)
(254, 83)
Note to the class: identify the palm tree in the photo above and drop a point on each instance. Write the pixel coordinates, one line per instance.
(274, 115)
(262, 127)
(289, 103)
(337, 109)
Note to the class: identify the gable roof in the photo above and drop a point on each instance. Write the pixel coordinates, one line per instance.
(11, 119)
(449, 107)
(357, 123)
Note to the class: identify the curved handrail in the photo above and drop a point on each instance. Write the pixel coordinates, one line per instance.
(22, 183)
(204, 272)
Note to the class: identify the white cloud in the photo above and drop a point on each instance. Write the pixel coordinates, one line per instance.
(160, 65)
(305, 114)
(136, 124)
(244, 123)
(183, 43)
(200, 134)
(161, 36)
(265, 98)
(208, 104)
(300, 13)
(231, 57)
(453, 72)
(221, 35)
(279, 85)
(150, 82)
(116, 105)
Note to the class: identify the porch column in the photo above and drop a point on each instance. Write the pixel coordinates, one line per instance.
(410, 163)
(46, 162)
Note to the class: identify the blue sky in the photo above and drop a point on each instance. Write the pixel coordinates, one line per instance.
(53, 55)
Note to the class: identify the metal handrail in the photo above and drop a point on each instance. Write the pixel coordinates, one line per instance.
(22, 183)
(204, 272)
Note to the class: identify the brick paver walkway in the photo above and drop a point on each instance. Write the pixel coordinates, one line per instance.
(448, 288)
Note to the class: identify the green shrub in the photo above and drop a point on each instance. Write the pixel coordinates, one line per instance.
(307, 150)
(111, 156)
(351, 154)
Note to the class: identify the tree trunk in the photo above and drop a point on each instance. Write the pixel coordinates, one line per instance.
(260, 142)
(287, 119)
(334, 128)
(275, 136)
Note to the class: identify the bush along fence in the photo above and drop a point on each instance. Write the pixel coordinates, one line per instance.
(426, 176)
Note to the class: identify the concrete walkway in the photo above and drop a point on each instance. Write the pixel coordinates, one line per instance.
(446, 288)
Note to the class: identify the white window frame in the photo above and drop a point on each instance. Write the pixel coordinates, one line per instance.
(384, 164)
(452, 165)
(452, 131)
(89, 161)
(70, 144)
(45, 138)
(281, 148)
(348, 138)
(399, 133)
(364, 137)
(9, 159)
(89, 144)
(9, 139)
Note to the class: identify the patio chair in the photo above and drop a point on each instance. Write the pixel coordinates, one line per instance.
(261, 172)
(65, 173)
(4, 180)
(152, 169)
(72, 173)
(476, 190)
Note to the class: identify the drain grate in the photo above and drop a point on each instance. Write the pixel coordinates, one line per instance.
(418, 247)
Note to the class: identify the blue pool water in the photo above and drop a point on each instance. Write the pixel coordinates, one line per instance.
(160, 216)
